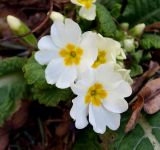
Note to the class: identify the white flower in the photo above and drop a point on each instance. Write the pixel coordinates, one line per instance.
(100, 97)
(108, 51)
(88, 8)
(66, 52)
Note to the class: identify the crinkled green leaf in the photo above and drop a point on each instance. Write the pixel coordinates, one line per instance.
(116, 9)
(51, 96)
(12, 89)
(136, 70)
(34, 73)
(87, 139)
(150, 41)
(109, 3)
(43, 92)
(10, 65)
(145, 135)
(137, 56)
(142, 11)
(106, 25)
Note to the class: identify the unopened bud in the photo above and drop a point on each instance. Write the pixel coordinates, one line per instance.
(129, 45)
(137, 30)
(56, 16)
(13, 22)
(124, 26)
(19, 28)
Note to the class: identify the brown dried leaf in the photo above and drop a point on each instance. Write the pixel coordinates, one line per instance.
(151, 93)
(153, 68)
(149, 99)
(4, 138)
(19, 118)
(153, 105)
(155, 27)
(62, 129)
(136, 108)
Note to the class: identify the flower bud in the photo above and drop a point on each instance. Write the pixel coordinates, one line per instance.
(124, 26)
(137, 30)
(129, 45)
(56, 16)
(13, 22)
(19, 28)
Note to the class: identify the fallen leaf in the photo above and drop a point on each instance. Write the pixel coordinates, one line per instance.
(136, 108)
(155, 27)
(151, 93)
(153, 68)
(148, 99)
(4, 138)
(19, 117)
(153, 105)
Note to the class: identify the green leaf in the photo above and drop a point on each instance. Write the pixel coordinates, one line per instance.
(51, 96)
(116, 10)
(87, 139)
(137, 56)
(12, 89)
(10, 65)
(106, 25)
(109, 3)
(136, 70)
(30, 38)
(150, 41)
(43, 92)
(145, 135)
(142, 11)
(34, 73)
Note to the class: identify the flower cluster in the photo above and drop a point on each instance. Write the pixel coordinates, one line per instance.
(87, 63)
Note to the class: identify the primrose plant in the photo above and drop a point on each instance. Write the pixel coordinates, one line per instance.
(86, 62)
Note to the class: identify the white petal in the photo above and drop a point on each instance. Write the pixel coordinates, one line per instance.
(58, 33)
(99, 117)
(123, 89)
(79, 112)
(79, 88)
(46, 43)
(67, 77)
(87, 76)
(89, 14)
(115, 104)
(105, 74)
(54, 70)
(72, 31)
(64, 33)
(85, 80)
(45, 56)
(88, 44)
(76, 2)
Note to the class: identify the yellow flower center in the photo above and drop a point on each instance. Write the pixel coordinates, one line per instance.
(71, 54)
(101, 59)
(96, 93)
(86, 3)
